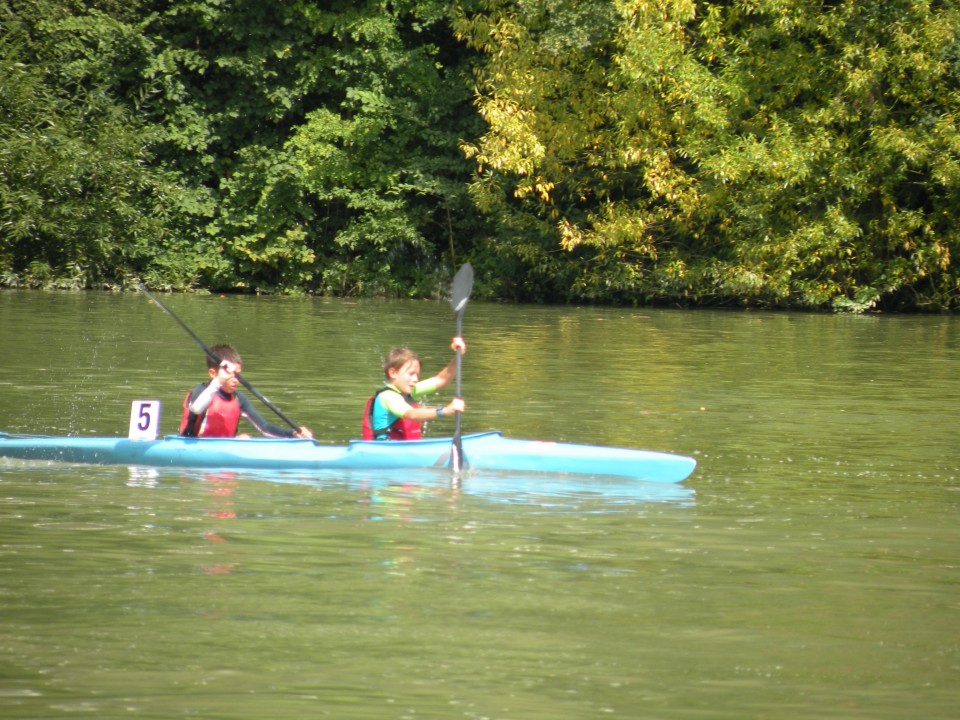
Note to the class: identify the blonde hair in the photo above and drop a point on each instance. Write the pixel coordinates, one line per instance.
(397, 358)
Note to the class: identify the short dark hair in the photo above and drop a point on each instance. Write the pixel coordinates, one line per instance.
(225, 352)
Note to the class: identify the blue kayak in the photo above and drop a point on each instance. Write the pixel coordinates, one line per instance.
(483, 451)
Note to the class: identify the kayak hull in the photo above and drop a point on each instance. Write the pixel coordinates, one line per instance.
(483, 451)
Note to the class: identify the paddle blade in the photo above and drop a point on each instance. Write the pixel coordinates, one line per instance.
(457, 462)
(461, 287)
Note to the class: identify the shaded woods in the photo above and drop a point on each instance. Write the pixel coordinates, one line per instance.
(766, 153)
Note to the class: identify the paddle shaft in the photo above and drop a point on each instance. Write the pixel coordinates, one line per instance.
(217, 359)
(459, 362)
(459, 295)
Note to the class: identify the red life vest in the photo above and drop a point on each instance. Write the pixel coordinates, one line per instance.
(400, 429)
(221, 419)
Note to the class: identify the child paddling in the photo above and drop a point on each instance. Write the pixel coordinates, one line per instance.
(393, 413)
(214, 408)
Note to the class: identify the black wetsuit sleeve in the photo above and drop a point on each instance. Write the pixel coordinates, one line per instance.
(248, 411)
(191, 417)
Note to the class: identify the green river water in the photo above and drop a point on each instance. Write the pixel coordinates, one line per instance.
(809, 568)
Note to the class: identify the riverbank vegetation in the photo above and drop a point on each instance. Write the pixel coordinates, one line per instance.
(767, 153)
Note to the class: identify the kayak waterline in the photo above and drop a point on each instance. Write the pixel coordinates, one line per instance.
(486, 451)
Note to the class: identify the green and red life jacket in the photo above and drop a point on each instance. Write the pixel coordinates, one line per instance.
(399, 429)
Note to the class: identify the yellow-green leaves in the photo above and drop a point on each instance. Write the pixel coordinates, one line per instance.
(770, 152)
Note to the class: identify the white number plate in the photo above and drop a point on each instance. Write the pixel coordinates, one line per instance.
(144, 420)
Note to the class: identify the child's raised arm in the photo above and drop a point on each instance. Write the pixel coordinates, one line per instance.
(448, 373)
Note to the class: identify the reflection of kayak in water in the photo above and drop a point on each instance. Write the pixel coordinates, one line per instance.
(401, 490)
(405, 492)
(483, 451)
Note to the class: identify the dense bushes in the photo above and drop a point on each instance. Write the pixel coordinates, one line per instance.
(770, 153)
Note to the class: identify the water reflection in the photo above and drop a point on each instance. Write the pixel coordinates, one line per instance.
(220, 488)
(142, 476)
(396, 494)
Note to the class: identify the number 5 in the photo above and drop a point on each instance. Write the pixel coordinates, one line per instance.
(144, 420)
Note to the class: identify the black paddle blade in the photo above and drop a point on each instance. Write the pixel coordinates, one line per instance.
(461, 287)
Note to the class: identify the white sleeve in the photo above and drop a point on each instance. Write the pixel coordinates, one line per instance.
(200, 405)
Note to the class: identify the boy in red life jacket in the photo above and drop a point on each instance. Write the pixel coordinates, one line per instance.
(393, 413)
(214, 408)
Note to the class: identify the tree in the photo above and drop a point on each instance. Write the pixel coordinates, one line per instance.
(80, 204)
(328, 135)
(275, 147)
(767, 152)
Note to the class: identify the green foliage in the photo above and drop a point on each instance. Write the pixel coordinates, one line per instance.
(210, 109)
(754, 152)
(327, 134)
(81, 205)
(78, 207)
(768, 152)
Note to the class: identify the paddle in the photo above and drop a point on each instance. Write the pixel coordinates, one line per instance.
(459, 294)
(217, 359)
